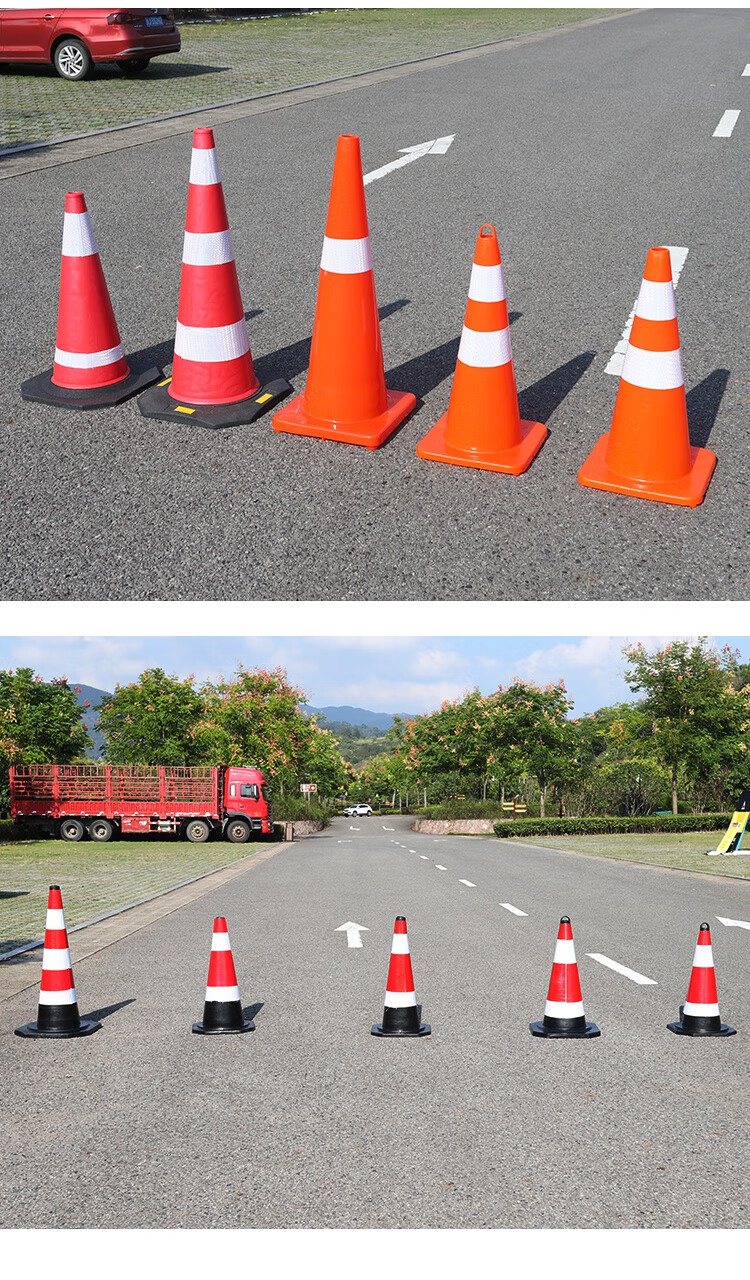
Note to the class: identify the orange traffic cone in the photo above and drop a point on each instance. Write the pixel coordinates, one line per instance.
(647, 452)
(346, 397)
(483, 427)
(57, 1016)
(90, 370)
(213, 381)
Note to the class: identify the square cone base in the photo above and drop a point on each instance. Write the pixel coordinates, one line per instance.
(688, 491)
(549, 1033)
(158, 403)
(42, 390)
(371, 433)
(510, 461)
(424, 1030)
(681, 1030)
(31, 1031)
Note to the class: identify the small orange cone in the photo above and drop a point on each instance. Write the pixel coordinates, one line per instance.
(647, 452)
(483, 427)
(346, 397)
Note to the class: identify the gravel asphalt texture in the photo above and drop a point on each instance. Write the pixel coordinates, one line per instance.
(584, 148)
(312, 1122)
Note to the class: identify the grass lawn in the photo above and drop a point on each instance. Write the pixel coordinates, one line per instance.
(685, 850)
(95, 878)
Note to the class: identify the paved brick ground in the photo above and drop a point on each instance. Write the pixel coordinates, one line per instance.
(223, 61)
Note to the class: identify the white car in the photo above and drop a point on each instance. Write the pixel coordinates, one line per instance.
(358, 811)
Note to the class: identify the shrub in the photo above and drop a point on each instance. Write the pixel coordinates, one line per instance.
(461, 809)
(611, 826)
(295, 809)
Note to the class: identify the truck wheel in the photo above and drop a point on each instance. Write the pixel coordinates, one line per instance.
(72, 829)
(197, 831)
(72, 59)
(101, 830)
(238, 831)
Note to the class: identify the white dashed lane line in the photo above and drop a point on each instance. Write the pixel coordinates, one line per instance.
(726, 124)
(621, 968)
(469, 884)
(424, 857)
(515, 910)
(439, 868)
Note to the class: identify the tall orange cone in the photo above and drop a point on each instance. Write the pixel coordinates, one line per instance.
(213, 382)
(346, 397)
(647, 452)
(57, 1016)
(483, 427)
(400, 1012)
(222, 1009)
(699, 1015)
(564, 1018)
(90, 370)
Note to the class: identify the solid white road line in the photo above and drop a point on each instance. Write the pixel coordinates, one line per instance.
(469, 884)
(726, 124)
(740, 924)
(677, 254)
(439, 868)
(509, 907)
(621, 968)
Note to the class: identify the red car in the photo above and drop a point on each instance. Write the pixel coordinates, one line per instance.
(74, 39)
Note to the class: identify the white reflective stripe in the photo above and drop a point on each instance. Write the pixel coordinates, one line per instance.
(55, 918)
(400, 944)
(204, 167)
(400, 999)
(88, 359)
(346, 257)
(487, 284)
(656, 300)
(653, 370)
(484, 350)
(225, 342)
(220, 942)
(56, 958)
(78, 236)
(222, 994)
(559, 1009)
(700, 1010)
(58, 997)
(704, 957)
(207, 248)
(565, 952)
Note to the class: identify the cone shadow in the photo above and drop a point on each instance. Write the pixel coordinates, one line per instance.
(703, 404)
(252, 1010)
(539, 401)
(14, 893)
(427, 371)
(98, 1014)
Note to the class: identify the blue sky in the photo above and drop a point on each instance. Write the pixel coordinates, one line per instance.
(381, 673)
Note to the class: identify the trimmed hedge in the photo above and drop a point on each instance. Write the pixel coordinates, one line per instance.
(460, 809)
(611, 826)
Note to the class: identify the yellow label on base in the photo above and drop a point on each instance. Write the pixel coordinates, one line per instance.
(181, 408)
(262, 399)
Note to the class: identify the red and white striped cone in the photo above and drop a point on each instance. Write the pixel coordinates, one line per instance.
(90, 370)
(57, 1016)
(564, 1018)
(213, 380)
(400, 1014)
(699, 1015)
(222, 1011)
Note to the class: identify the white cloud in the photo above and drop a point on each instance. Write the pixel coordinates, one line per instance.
(436, 662)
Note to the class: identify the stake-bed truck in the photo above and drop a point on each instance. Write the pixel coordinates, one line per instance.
(102, 801)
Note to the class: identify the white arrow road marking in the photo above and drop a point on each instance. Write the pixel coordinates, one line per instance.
(620, 968)
(468, 883)
(509, 907)
(437, 147)
(746, 72)
(439, 868)
(740, 924)
(344, 842)
(355, 828)
(677, 256)
(390, 829)
(352, 931)
(726, 124)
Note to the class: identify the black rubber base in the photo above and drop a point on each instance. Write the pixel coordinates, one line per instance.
(31, 1031)
(695, 1029)
(42, 390)
(201, 1029)
(424, 1030)
(554, 1033)
(158, 403)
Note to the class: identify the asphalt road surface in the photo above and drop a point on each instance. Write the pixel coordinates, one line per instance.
(584, 148)
(312, 1122)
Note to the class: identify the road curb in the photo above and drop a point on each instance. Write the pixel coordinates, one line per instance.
(627, 862)
(105, 930)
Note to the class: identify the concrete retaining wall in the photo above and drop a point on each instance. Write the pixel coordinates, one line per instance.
(455, 826)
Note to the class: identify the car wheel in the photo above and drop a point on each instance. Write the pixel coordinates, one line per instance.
(72, 829)
(101, 830)
(238, 831)
(197, 831)
(72, 59)
(133, 66)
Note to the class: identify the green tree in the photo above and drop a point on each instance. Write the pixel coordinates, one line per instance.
(40, 722)
(536, 735)
(154, 720)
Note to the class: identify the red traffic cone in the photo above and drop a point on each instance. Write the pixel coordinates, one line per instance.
(346, 397)
(57, 1016)
(564, 1018)
(222, 1011)
(213, 380)
(90, 369)
(400, 1014)
(699, 1015)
